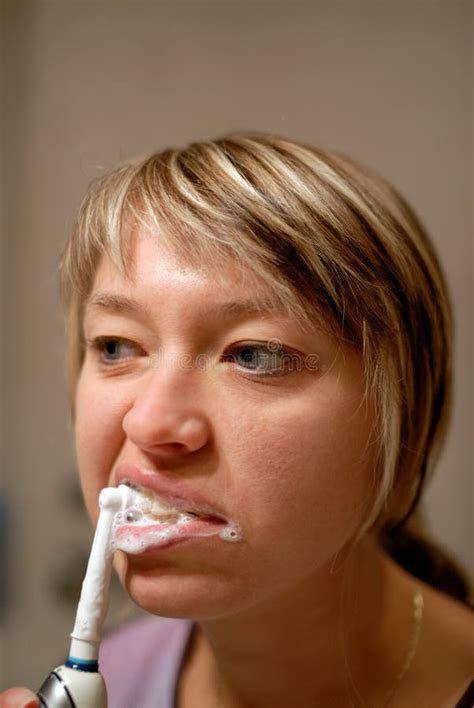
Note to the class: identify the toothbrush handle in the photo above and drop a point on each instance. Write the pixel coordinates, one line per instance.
(54, 693)
(71, 688)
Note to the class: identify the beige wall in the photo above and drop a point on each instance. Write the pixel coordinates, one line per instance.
(90, 83)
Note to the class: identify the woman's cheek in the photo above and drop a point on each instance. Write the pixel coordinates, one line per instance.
(98, 436)
(310, 473)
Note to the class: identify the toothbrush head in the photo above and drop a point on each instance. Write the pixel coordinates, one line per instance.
(116, 498)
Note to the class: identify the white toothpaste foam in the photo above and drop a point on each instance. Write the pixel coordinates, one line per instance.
(165, 523)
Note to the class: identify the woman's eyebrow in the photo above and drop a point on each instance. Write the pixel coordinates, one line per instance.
(231, 308)
(250, 306)
(109, 301)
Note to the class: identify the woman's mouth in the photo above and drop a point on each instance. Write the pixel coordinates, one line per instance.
(151, 523)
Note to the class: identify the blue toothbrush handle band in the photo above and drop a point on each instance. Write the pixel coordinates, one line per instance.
(82, 665)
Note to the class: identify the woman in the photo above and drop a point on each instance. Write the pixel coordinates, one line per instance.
(262, 328)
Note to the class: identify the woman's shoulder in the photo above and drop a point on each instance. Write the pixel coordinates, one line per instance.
(142, 658)
(447, 647)
(449, 625)
(443, 665)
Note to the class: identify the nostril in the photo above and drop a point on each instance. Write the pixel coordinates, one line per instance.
(164, 433)
(171, 447)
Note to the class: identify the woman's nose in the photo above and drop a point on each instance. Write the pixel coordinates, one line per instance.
(164, 417)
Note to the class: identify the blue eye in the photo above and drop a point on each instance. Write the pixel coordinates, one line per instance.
(262, 359)
(112, 349)
(255, 359)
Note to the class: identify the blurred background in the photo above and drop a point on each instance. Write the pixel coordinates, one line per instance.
(89, 83)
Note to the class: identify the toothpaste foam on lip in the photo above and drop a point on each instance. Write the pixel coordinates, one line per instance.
(151, 522)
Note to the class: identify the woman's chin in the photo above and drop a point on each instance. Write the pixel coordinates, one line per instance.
(170, 591)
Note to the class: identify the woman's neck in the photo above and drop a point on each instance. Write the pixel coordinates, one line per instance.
(320, 645)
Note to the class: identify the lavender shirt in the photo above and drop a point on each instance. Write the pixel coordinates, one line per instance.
(141, 662)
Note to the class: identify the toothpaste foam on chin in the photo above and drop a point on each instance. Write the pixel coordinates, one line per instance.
(166, 523)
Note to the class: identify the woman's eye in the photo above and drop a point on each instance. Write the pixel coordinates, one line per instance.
(268, 359)
(112, 349)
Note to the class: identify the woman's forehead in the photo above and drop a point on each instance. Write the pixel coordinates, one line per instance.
(153, 257)
(152, 262)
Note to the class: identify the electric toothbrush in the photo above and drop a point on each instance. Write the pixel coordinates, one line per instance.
(78, 683)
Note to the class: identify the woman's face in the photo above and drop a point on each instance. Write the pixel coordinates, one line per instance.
(180, 389)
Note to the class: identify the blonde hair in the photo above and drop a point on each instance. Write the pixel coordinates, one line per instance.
(333, 240)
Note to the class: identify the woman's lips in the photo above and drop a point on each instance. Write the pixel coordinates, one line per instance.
(148, 538)
(173, 492)
(165, 512)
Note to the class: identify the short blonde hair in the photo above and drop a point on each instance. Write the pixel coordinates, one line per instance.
(334, 241)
